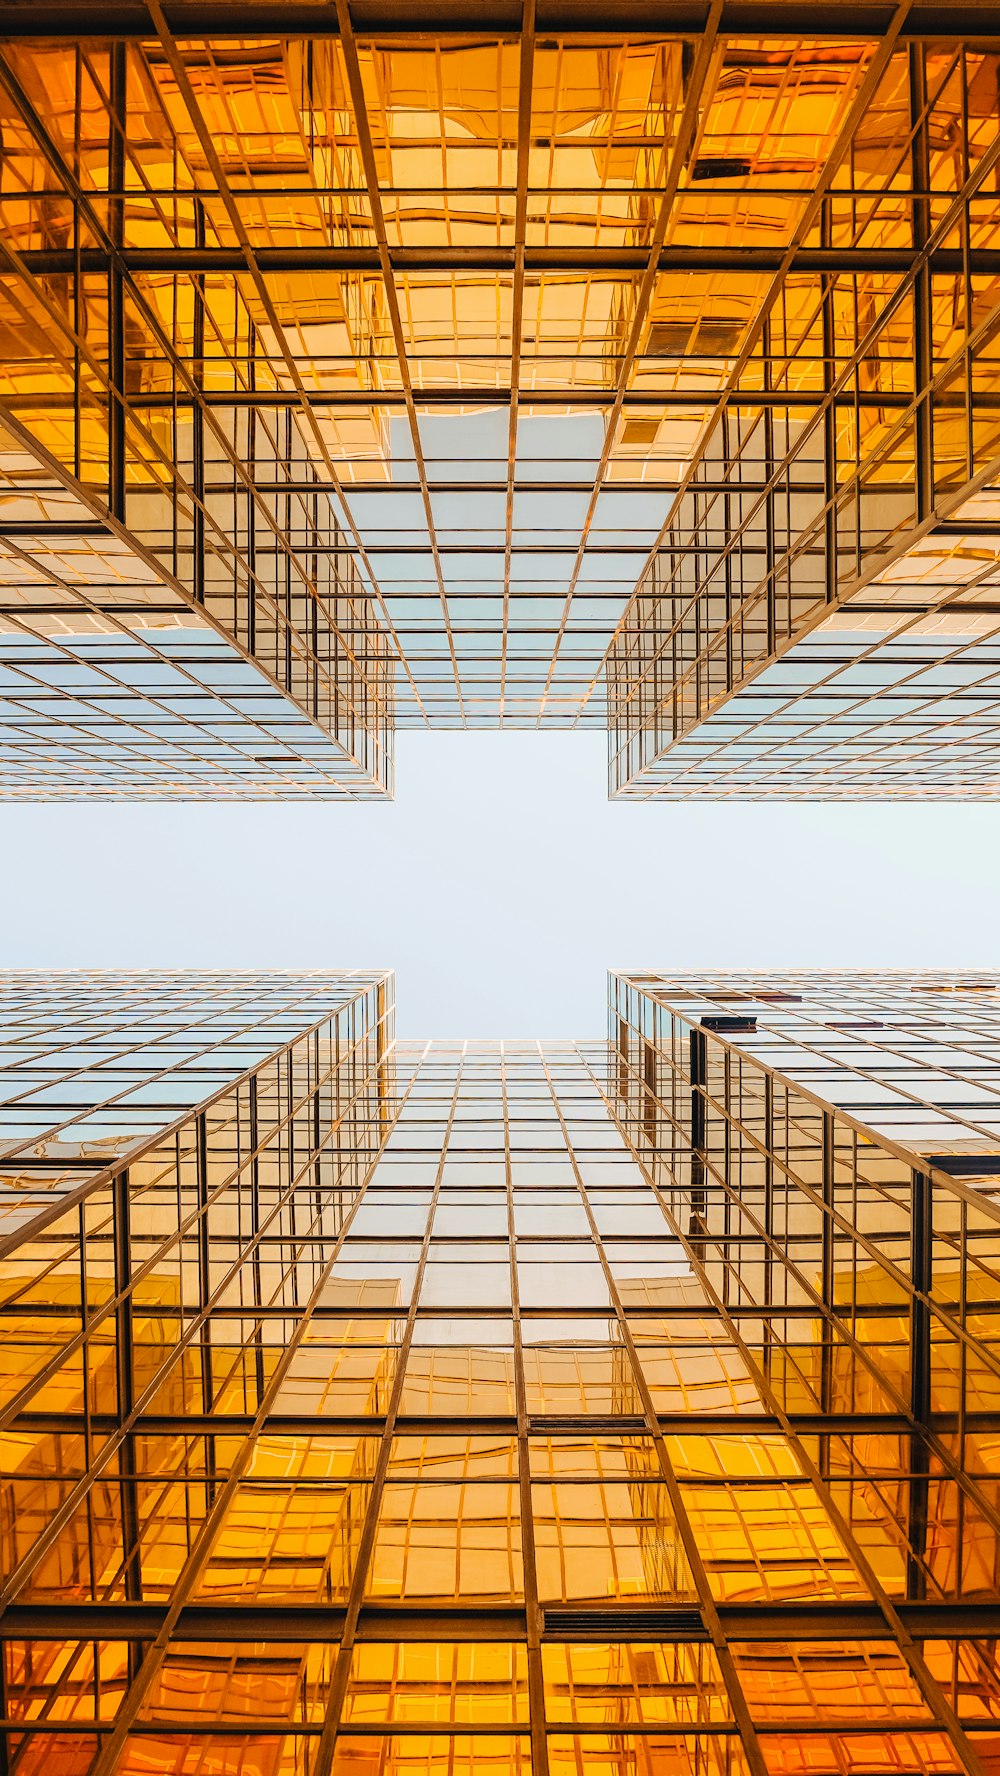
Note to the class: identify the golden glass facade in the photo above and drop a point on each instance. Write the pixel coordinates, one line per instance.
(828, 1149)
(620, 1409)
(360, 366)
(820, 616)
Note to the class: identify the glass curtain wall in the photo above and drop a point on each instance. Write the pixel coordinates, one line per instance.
(475, 1463)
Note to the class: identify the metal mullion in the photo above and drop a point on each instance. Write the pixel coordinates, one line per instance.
(922, 289)
(117, 188)
(125, 1396)
(524, 104)
(366, 149)
(116, 307)
(532, 1609)
(342, 1670)
(944, 1715)
(921, 1354)
(692, 1552)
(448, 395)
(113, 1747)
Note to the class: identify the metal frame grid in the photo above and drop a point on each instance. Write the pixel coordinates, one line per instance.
(149, 1259)
(223, 513)
(828, 1147)
(478, 1448)
(849, 464)
(506, 307)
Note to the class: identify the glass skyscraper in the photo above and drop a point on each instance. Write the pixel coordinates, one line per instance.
(377, 369)
(626, 1408)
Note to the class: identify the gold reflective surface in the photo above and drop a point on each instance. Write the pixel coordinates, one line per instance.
(499, 376)
(270, 1506)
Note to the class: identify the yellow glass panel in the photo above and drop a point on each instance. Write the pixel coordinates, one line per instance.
(448, 1542)
(469, 1684)
(633, 1683)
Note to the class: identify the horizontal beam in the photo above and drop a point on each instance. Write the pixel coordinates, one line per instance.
(206, 1623)
(478, 396)
(660, 18)
(540, 1424)
(748, 260)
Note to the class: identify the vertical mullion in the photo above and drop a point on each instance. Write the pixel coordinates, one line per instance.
(922, 294)
(125, 1389)
(532, 1607)
(118, 72)
(921, 1250)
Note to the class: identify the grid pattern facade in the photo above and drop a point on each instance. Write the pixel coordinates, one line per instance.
(181, 1154)
(504, 320)
(180, 610)
(820, 616)
(828, 1147)
(503, 1438)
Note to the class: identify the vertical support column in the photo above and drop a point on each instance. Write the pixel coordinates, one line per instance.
(826, 1266)
(649, 1091)
(770, 494)
(727, 570)
(317, 1127)
(198, 421)
(381, 1051)
(258, 1296)
(5, 1707)
(697, 1228)
(204, 1292)
(116, 294)
(826, 1356)
(289, 467)
(921, 1265)
(251, 469)
(830, 525)
(767, 1343)
(292, 1160)
(125, 1392)
(922, 313)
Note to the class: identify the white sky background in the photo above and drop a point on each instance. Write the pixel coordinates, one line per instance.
(500, 885)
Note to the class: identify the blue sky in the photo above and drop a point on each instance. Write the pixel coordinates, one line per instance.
(500, 885)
